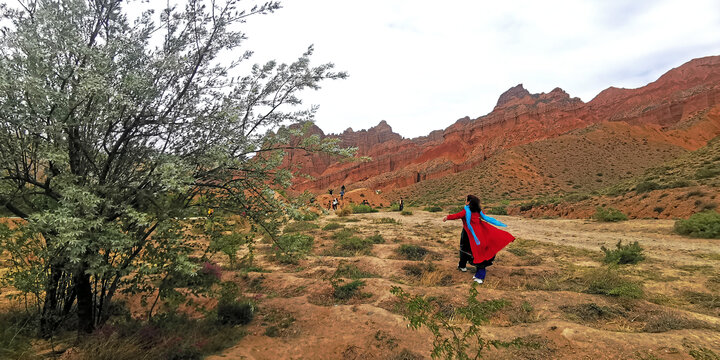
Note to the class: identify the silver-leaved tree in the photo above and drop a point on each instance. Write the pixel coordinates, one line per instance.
(114, 130)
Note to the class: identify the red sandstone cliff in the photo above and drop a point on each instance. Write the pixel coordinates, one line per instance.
(663, 106)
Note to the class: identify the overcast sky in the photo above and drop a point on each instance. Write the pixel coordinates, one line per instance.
(421, 65)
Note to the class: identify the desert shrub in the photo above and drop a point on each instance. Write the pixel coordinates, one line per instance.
(433, 208)
(710, 301)
(451, 339)
(385, 220)
(362, 209)
(707, 172)
(412, 252)
(352, 246)
(623, 254)
(665, 321)
(609, 214)
(679, 184)
(591, 312)
(376, 239)
(607, 281)
(235, 312)
(418, 269)
(298, 226)
(394, 207)
(646, 186)
(332, 226)
(350, 271)
(658, 209)
(497, 210)
(347, 291)
(305, 216)
(344, 211)
(292, 247)
(406, 212)
(703, 225)
(343, 234)
(16, 334)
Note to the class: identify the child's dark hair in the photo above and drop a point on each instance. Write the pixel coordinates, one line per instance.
(474, 203)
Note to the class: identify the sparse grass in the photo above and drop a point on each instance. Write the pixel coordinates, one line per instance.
(664, 321)
(362, 209)
(646, 186)
(497, 210)
(376, 239)
(412, 252)
(280, 323)
(350, 271)
(623, 254)
(332, 226)
(708, 301)
(591, 312)
(353, 246)
(702, 353)
(16, 335)
(406, 212)
(344, 211)
(385, 220)
(607, 281)
(346, 291)
(433, 208)
(298, 226)
(703, 225)
(609, 214)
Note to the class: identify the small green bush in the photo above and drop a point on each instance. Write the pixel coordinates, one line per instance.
(412, 252)
(705, 224)
(497, 210)
(235, 313)
(332, 226)
(292, 247)
(346, 291)
(350, 271)
(362, 209)
(707, 172)
(354, 245)
(609, 214)
(298, 226)
(623, 254)
(646, 186)
(433, 208)
(343, 234)
(376, 239)
(607, 281)
(406, 212)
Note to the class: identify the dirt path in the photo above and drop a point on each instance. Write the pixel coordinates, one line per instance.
(678, 315)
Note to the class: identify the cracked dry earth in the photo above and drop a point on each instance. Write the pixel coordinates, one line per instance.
(543, 276)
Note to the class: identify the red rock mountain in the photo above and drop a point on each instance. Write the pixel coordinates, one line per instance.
(672, 111)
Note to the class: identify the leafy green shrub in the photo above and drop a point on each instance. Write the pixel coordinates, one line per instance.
(497, 210)
(376, 239)
(298, 226)
(353, 246)
(609, 214)
(624, 254)
(412, 252)
(292, 247)
(406, 212)
(347, 291)
(332, 226)
(235, 312)
(362, 209)
(607, 281)
(433, 208)
(350, 271)
(451, 339)
(705, 224)
(646, 186)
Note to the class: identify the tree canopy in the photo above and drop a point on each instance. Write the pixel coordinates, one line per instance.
(115, 130)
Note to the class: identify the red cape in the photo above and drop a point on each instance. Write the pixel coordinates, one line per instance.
(492, 239)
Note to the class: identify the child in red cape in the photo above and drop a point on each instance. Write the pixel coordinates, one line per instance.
(482, 239)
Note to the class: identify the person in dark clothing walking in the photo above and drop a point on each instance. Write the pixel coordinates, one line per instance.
(402, 204)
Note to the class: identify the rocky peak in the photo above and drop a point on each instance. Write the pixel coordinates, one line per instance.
(516, 92)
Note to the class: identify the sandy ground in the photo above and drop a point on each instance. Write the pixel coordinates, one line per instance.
(300, 319)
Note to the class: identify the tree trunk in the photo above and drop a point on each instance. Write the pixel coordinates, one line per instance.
(83, 291)
(49, 311)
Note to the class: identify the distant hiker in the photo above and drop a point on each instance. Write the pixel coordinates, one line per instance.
(330, 191)
(402, 204)
(479, 242)
(365, 202)
(342, 192)
(342, 188)
(329, 204)
(335, 204)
